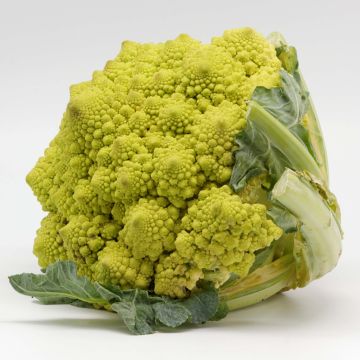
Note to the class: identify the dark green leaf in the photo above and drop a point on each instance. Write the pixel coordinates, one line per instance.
(283, 218)
(202, 305)
(273, 130)
(59, 285)
(287, 103)
(221, 312)
(140, 310)
(262, 257)
(81, 304)
(256, 155)
(138, 317)
(171, 314)
(110, 293)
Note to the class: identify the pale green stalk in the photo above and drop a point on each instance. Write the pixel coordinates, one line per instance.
(261, 284)
(319, 226)
(312, 124)
(312, 257)
(283, 139)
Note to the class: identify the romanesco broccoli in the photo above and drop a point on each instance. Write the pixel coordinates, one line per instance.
(147, 135)
(176, 179)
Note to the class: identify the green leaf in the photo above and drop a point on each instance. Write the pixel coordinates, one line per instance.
(287, 103)
(283, 218)
(221, 311)
(202, 305)
(263, 257)
(59, 285)
(140, 310)
(255, 156)
(274, 138)
(171, 314)
(137, 316)
(110, 293)
(288, 57)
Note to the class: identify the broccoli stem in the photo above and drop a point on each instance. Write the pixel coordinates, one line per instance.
(283, 139)
(319, 227)
(312, 124)
(260, 284)
(313, 256)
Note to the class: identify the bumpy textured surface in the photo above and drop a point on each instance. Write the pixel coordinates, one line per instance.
(135, 180)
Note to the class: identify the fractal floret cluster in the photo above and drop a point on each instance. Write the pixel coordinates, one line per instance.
(136, 182)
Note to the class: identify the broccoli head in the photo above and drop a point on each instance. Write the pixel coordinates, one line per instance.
(186, 180)
(184, 164)
(135, 181)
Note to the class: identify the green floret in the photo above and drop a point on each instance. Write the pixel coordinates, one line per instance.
(150, 228)
(140, 123)
(174, 50)
(88, 202)
(84, 237)
(118, 212)
(176, 174)
(116, 265)
(175, 118)
(212, 138)
(249, 48)
(204, 70)
(125, 147)
(158, 122)
(48, 245)
(134, 179)
(103, 183)
(175, 275)
(220, 234)
(152, 106)
(103, 157)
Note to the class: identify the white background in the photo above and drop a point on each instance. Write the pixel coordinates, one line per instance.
(45, 46)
